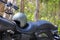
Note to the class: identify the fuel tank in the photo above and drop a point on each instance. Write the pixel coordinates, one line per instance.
(5, 24)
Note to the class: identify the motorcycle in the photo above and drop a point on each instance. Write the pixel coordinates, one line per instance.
(40, 30)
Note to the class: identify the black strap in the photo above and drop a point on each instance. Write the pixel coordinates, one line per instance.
(3, 1)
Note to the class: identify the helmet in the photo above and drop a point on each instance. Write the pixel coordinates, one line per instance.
(21, 17)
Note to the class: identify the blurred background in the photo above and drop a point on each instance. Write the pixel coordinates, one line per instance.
(37, 9)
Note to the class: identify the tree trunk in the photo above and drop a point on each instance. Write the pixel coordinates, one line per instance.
(59, 11)
(36, 14)
(22, 6)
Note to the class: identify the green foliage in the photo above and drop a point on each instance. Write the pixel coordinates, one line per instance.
(48, 10)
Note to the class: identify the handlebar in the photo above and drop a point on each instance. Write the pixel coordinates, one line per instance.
(9, 4)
